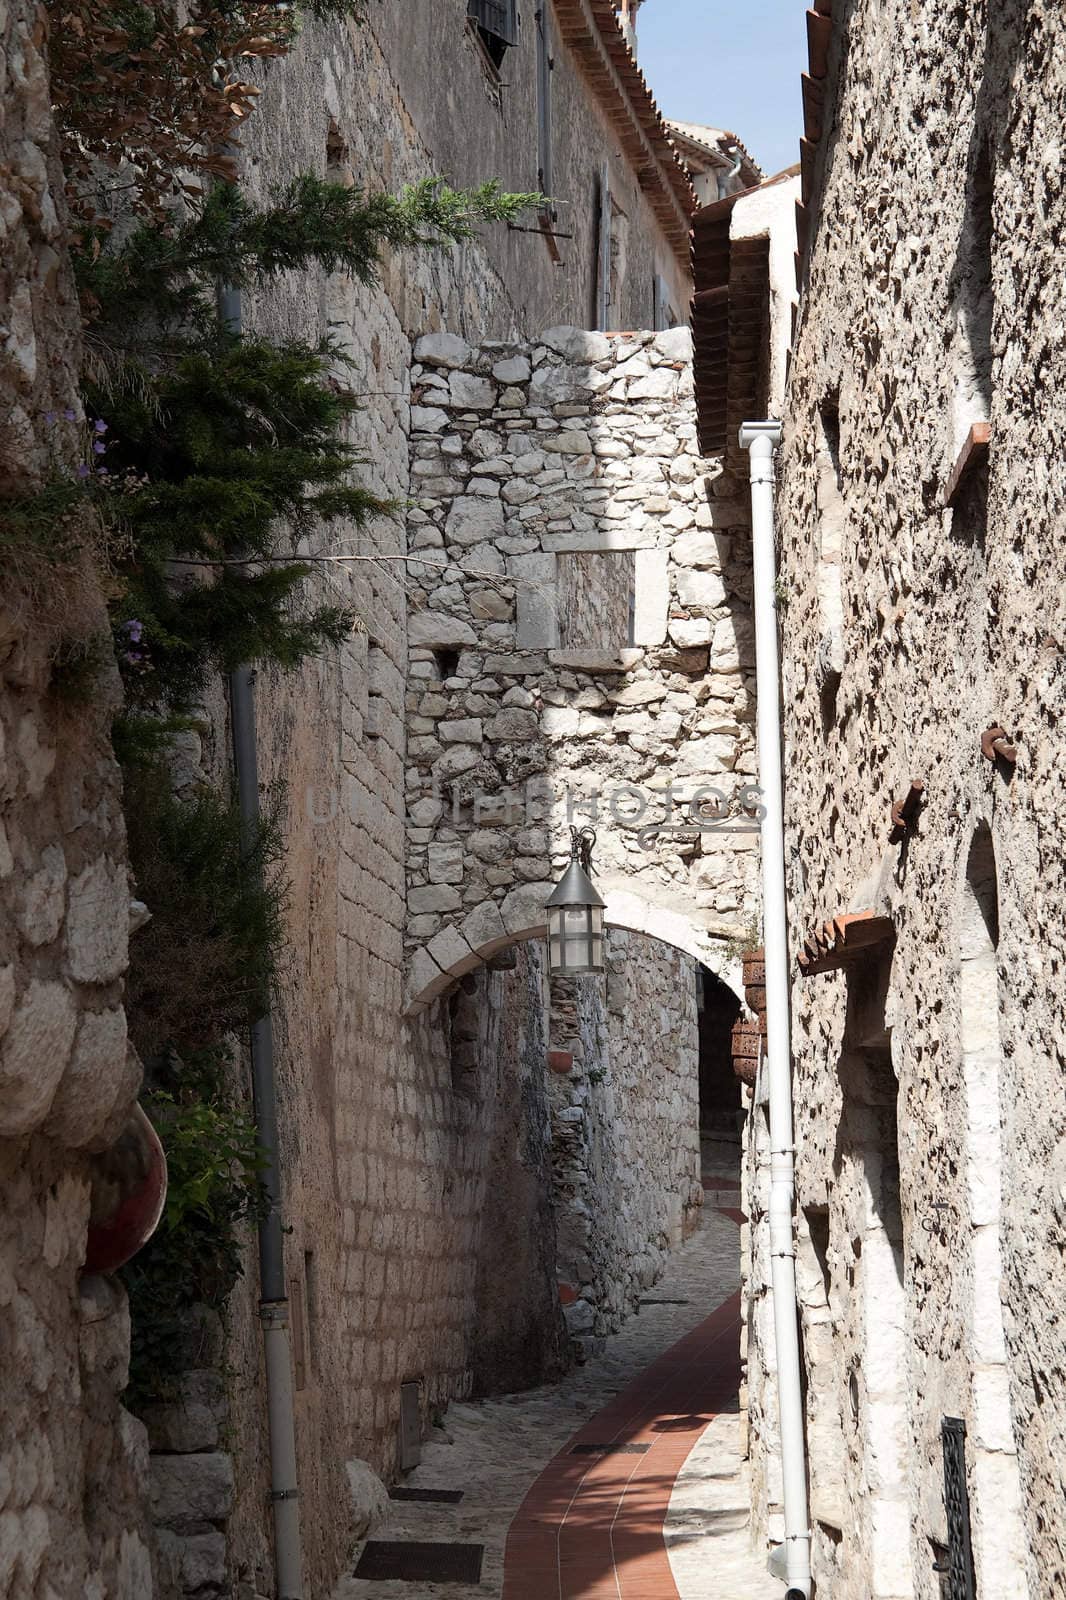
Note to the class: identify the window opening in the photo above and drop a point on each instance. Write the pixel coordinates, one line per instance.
(311, 1296)
(663, 314)
(619, 244)
(829, 501)
(463, 1036)
(497, 25)
(299, 1341)
(447, 663)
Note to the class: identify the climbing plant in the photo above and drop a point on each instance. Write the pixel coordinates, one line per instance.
(214, 1172)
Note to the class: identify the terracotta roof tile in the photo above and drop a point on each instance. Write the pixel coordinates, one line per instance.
(593, 32)
(730, 315)
(833, 944)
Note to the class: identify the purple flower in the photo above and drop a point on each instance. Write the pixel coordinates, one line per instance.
(134, 630)
(99, 426)
(49, 418)
(98, 448)
(69, 413)
(83, 471)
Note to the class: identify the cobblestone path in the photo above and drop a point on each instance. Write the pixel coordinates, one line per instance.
(664, 1521)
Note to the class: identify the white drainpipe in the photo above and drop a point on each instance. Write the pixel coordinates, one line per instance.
(760, 440)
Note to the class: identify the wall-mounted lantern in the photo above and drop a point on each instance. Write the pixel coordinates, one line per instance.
(575, 913)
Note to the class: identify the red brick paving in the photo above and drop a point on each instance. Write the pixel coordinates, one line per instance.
(591, 1527)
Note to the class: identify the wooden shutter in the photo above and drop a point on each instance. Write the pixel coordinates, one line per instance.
(546, 176)
(498, 17)
(603, 269)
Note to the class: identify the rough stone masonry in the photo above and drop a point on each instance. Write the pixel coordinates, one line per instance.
(528, 460)
(923, 607)
(73, 1463)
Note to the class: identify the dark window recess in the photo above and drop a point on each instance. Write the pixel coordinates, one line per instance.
(955, 1566)
(447, 663)
(497, 23)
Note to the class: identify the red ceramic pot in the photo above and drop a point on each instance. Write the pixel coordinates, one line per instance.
(129, 1187)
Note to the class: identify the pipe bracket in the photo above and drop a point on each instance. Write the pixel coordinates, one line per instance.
(995, 743)
(274, 1314)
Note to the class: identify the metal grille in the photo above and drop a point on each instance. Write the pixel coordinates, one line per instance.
(444, 1497)
(413, 1561)
(957, 1581)
(609, 1449)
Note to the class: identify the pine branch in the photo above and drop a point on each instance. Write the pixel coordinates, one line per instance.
(311, 222)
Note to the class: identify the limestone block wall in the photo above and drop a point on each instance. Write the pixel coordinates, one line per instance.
(525, 457)
(931, 1132)
(625, 1119)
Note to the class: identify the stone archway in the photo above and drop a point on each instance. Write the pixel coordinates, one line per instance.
(580, 650)
(625, 911)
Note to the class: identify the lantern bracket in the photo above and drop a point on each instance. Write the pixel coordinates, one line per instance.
(582, 841)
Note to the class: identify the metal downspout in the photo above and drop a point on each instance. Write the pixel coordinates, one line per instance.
(273, 1301)
(760, 440)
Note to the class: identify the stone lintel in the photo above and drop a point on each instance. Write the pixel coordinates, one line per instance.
(596, 660)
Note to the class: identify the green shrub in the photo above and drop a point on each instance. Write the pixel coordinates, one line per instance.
(214, 1168)
(207, 959)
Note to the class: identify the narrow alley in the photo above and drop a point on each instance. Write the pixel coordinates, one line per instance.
(532, 797)
(625, 1481)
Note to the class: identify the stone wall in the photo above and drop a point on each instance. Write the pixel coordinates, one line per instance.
(523, 458)
(931, 1133)
(73, 1464)
(40, 316)
(625, 1118)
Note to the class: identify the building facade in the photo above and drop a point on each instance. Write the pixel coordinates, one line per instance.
(919, 507)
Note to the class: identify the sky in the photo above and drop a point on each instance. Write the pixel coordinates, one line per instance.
(734, 66)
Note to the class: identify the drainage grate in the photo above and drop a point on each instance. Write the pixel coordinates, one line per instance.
(416, 1561)
(609, 1449)
(956, 1573)
(448, 1497)
(665, 1302)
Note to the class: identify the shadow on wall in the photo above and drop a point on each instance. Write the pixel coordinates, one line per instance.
(498, 1046)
